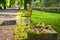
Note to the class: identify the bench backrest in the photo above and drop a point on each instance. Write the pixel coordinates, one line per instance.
(29, 11)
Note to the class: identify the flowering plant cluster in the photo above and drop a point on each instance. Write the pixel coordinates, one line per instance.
(23, 29)
(41, 28)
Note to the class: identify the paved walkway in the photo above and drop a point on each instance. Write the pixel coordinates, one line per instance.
(6, 32)
(9, 11)
(8, 15)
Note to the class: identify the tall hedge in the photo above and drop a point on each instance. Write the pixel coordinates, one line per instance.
(50, 3)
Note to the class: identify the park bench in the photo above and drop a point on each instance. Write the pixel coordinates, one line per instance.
(28, 14)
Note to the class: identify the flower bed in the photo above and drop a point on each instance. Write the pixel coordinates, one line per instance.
(40, 32)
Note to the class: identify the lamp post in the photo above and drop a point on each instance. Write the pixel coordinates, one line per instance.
(32, 2)
(41, 7)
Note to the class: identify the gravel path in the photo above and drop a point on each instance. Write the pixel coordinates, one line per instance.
(6, 32)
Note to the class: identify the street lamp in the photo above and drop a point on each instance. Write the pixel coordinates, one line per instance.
(41, 7)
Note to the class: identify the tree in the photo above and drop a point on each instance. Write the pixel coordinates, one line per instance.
(25, 4)
(12, 2)
(30, 2)
(3, 2)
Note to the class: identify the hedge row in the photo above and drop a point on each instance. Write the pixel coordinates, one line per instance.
(49, 9)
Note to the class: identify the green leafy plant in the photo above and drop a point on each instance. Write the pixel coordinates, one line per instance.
(20, 31)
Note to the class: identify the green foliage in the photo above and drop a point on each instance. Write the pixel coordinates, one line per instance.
(40, 24)
(7, 3)
(49, 3)
(20, 31)
(37, 4)
(47, 31)
(13, 1)
(29, 1)
(24, 11)
(21, 2)
(2, 1)
(21, 25)
(34, 0)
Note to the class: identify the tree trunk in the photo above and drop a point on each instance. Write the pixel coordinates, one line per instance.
(25, 4)
(10, 3)
(4, 4)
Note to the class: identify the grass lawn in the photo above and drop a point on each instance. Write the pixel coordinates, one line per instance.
(47, 18)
